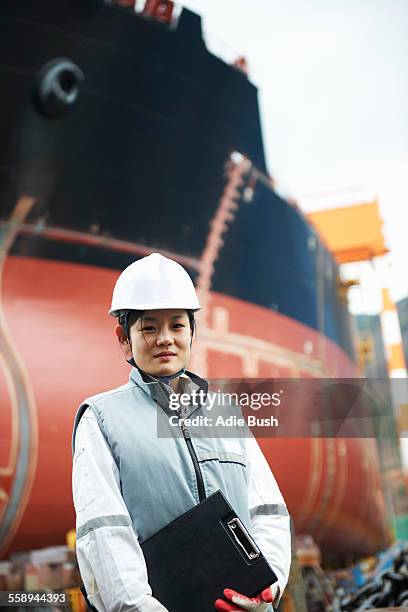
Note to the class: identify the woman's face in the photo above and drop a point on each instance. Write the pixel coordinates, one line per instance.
(160, 341)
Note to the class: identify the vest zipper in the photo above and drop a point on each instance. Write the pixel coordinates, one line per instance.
(199, 476)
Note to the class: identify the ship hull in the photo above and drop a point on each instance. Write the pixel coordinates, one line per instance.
(64, 349)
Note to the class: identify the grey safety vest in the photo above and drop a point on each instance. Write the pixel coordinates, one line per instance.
(157, 477)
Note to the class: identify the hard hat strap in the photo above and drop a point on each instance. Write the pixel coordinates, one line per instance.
(124, 321)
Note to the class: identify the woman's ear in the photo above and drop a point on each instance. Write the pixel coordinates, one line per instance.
(120, 333)
(123, 341)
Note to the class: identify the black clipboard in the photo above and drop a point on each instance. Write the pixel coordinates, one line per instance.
(191, 560)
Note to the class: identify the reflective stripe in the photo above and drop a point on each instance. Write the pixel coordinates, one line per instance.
(113, 520)
(269, 509)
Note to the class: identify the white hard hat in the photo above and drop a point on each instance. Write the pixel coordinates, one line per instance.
(151, 283)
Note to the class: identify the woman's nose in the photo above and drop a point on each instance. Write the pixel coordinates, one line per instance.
(165, 336)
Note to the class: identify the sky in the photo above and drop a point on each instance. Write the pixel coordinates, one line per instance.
(333, 93)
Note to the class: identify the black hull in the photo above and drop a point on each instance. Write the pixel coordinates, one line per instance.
(141, 156)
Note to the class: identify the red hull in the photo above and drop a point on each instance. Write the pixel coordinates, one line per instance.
(61, 348)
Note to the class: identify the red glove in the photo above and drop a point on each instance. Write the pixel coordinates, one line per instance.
(240, 602)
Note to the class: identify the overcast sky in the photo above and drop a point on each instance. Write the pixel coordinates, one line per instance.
(333, 89)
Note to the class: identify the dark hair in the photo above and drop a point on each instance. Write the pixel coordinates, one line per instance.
(126, 319)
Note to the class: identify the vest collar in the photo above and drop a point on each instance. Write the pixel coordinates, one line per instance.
(160, 392)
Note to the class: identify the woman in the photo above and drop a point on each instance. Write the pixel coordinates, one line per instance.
(128, 482)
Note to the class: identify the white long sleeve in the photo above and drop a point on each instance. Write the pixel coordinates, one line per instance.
(110, 558)
(109, 555)
(270, 519)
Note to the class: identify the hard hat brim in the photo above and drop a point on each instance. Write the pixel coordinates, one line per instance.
(117, 312)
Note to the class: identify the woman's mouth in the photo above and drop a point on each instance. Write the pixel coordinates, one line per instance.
(165, 356)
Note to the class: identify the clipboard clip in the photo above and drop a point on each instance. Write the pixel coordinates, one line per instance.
(243, 539)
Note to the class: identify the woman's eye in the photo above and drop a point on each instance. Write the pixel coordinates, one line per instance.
(179, 325)
(150, 328)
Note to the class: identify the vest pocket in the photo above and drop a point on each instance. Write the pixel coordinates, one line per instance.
(225, 470)
(222, 457)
